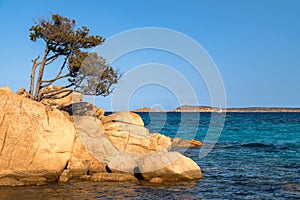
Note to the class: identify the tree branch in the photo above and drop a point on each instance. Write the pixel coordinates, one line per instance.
(52, 94)
(49, 61)
(55, 79)
(52, 57)
(107, 91)
(57, 76)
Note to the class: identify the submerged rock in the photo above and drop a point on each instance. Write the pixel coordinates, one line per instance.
(113, 177)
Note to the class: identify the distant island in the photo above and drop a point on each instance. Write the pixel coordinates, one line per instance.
(187, 108)
(145, 109)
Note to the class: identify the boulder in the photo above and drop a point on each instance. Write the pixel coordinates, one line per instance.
(170, 166)
(124, 117)
(177, 142)
(35, 141)
(132, 137)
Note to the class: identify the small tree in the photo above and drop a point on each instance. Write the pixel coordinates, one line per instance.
(86, 72)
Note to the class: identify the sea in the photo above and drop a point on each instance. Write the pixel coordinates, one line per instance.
(250, 156)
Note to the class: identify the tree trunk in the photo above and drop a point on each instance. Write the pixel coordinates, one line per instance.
(32, 76)
(40, 75)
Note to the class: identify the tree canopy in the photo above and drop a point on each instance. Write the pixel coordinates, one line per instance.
(87, 73)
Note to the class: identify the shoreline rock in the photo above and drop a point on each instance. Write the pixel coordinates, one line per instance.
(35, 141)
(40, 144)
(177, 143)
(170, 166)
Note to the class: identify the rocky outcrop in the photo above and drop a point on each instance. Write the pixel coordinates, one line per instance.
(133, 150)
(41, 144)
(36, 141)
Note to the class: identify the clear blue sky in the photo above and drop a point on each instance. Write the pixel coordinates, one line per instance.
(255, 44)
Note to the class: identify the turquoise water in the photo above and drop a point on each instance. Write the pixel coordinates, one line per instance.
(257, 156)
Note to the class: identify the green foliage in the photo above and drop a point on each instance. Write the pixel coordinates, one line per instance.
(63, 40)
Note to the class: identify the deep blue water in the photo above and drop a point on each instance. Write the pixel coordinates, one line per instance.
(257, 156)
